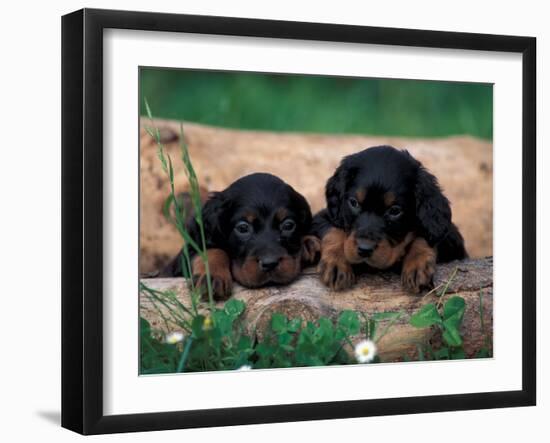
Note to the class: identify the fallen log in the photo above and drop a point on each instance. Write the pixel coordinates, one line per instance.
(309, 299)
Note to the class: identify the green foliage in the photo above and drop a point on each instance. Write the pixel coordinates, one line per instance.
(155, 357)
(309, 103)
(214, 342)
(348, 323)
(219, 342)
(453, 313)
(449, 321)
(426, 316)
(447, 318)
(291, 343)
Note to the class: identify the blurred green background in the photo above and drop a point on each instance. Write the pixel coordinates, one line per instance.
(300, 103)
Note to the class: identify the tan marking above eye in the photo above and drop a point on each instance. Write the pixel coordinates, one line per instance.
(281, 214)
(250, 217)
(360, 194)
(389, 199)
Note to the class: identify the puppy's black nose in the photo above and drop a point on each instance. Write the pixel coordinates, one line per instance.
(269, 262)
(365, 248)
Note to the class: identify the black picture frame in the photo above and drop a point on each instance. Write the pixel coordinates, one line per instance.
(82, 218)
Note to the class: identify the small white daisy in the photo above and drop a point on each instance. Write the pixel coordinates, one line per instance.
(174, 337)
(365, 351)
(244, 368)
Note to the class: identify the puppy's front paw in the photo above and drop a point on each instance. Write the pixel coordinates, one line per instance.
(311, 250)
(337, 274)
(418, 266)
(417, 275)
(220, 275)
(222, 284)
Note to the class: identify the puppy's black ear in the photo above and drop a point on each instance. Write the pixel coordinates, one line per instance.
(334, 193)
(433, 211)
(213, 220)
(304, 210)
(212, 213)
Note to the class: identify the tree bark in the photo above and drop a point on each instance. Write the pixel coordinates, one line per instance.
(309, 299)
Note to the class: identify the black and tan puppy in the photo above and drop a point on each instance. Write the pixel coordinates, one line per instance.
(385, 210)
(256, 234)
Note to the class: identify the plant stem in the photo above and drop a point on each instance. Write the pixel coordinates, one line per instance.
(390, 324)
(185, 354)
(440, 301)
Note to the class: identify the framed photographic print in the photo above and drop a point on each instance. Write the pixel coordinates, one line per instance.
(269, 221)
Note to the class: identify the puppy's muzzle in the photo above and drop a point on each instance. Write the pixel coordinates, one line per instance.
(365, 247)
(269, 262)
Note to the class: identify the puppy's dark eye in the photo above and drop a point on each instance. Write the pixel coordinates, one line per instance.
(243, 228)
(394, 212)
(288, 225)
(353, 203)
